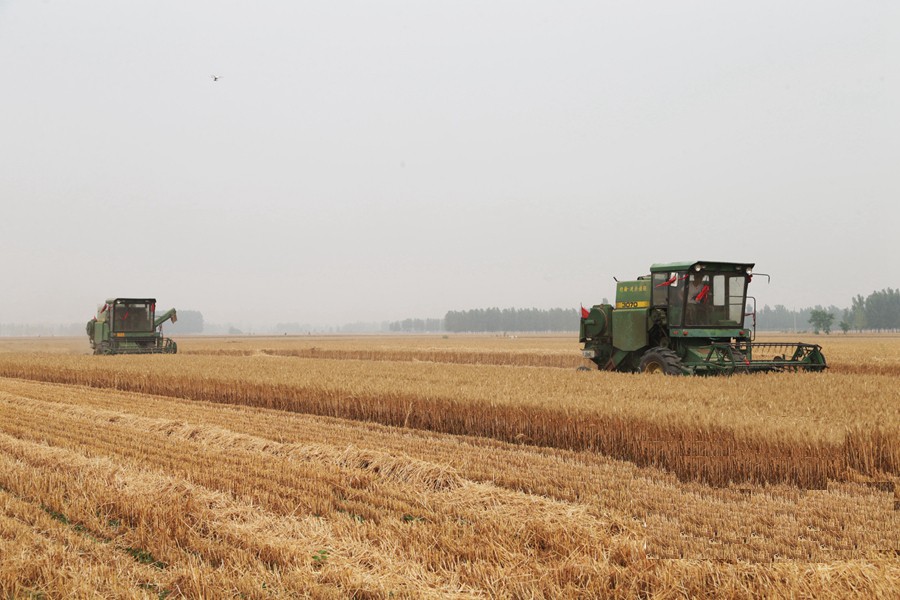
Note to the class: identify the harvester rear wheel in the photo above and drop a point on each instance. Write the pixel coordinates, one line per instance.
(661, 360)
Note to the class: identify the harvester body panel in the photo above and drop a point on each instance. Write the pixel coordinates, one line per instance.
(629, 327)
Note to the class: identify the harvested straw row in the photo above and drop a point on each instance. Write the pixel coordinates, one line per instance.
(283, 476)
(474, 544)
(678, 520)
(380, 485)
(715, 454)
(168, 517)
(177, 522)
(802, 407)
(42, 555)
(516, 359)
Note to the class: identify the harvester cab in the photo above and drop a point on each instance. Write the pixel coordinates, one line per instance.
(687, 318)
(130, 326)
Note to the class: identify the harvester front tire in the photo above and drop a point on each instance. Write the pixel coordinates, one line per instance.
(661, 360)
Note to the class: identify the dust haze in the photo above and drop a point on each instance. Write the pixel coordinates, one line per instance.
(362, 161)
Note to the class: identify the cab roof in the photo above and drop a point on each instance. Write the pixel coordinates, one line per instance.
(130, 300)
(703, 264)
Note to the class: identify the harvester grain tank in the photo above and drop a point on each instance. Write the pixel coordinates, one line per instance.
(130, 326)
(687, 318)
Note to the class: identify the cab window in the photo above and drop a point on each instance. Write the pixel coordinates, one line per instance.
(736, 285)
(660, 288)
(132, 317)
(675, 285)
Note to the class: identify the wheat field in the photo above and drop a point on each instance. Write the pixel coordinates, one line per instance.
(442, 467)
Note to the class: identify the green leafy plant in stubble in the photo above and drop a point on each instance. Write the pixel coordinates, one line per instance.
(319, 557)
(55, 515)
(144, 557)
(161, 593)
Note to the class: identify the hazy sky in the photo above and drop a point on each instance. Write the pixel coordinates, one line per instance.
(382, 160)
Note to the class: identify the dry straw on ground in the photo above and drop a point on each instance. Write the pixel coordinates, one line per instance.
(213, 489)
(802, 428)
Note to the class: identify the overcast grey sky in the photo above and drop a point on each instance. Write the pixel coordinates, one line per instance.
(382, 160)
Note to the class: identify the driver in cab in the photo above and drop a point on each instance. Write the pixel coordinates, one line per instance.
(698, 296)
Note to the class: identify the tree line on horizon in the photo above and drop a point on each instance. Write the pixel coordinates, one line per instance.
(879, 311)
(493, 320)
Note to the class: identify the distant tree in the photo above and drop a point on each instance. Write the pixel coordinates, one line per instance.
(416, 325)
(845, 322)
(858, 313)
(883, 309)
(821, 320)
(777, 319)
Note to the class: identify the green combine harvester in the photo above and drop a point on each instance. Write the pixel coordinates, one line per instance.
(687, 318)
(130, 326)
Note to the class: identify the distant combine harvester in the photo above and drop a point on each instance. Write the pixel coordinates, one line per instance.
(130, 326)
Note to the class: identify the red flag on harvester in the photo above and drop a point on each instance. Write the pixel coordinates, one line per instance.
(668, 282)
(584, 312)
(703, 294)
